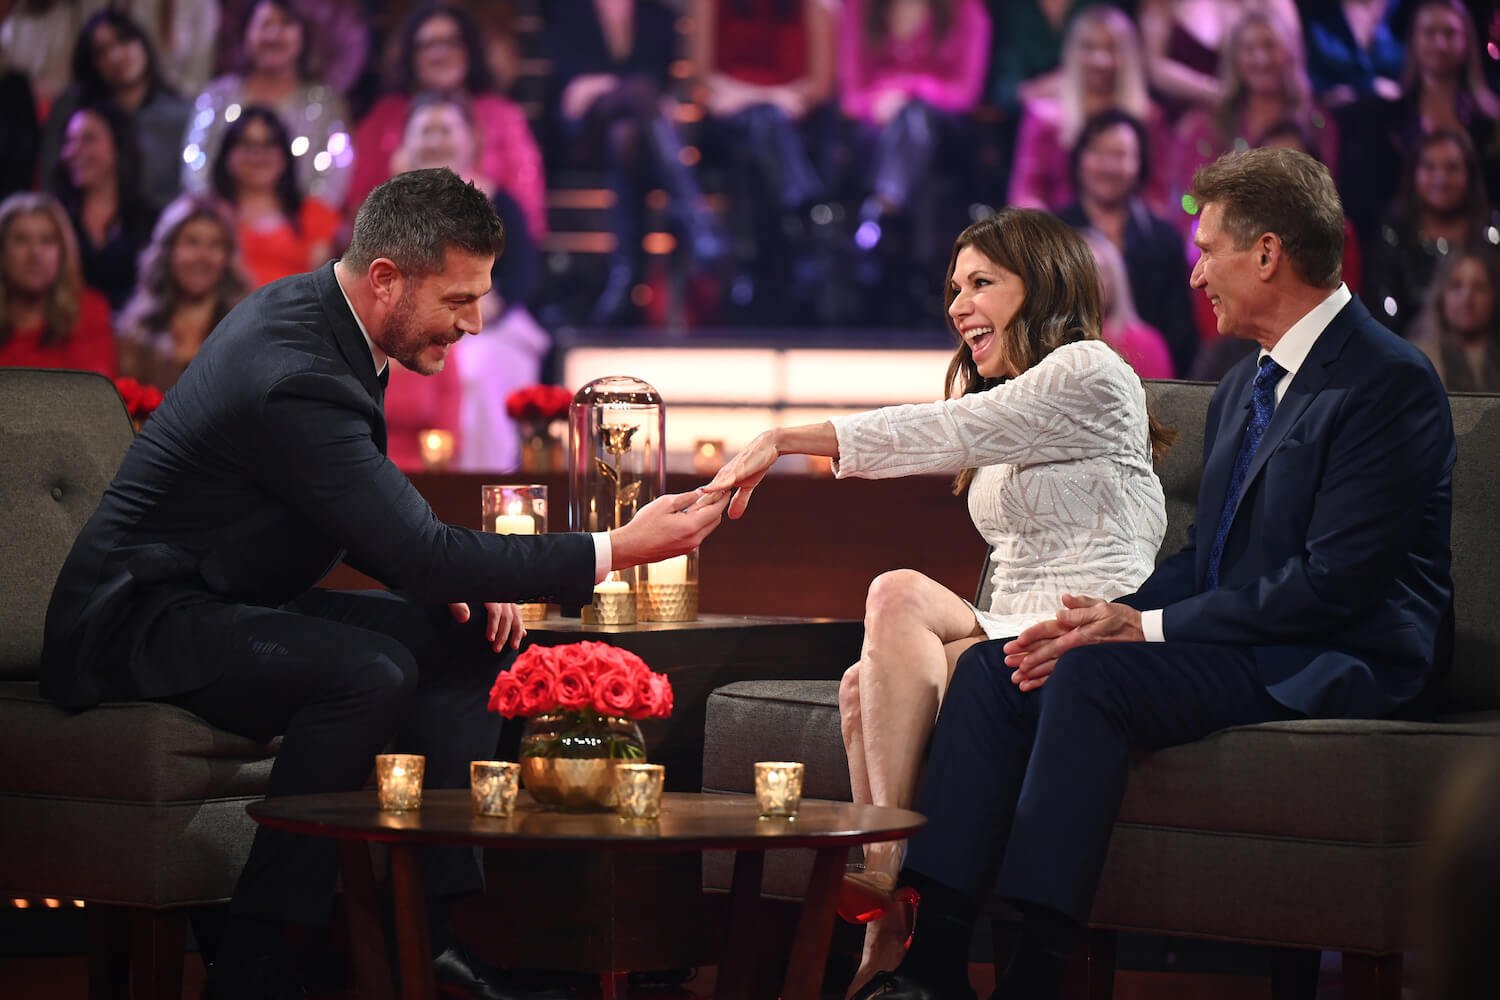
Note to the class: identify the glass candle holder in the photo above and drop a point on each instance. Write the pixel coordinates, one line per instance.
(493, 785)
(437, 448)
(616, 452)
(778, 787)
(517, 509)
(398, 777)
(638, 790)
(667, 591)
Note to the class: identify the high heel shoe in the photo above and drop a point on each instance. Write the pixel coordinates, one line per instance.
(865, 896)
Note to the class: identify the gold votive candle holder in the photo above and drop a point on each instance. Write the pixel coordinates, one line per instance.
(667, 602)
(493, 785)
(778, 787)
(436, 445)
(517, 509)
(398, 778)
(613, 602)
(638, 790)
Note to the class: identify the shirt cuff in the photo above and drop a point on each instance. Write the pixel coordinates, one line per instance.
(604, 555)
(1151, 626)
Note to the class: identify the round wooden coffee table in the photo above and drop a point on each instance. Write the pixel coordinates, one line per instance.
(689, 821)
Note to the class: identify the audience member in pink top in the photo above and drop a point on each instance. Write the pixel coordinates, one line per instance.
(1264, 83)
(907, 68)
(1102, 68)
(48, 319)
(415, 403)
(441, 51)
(1138, 342)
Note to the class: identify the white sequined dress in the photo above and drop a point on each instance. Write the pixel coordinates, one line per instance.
(1064, 493)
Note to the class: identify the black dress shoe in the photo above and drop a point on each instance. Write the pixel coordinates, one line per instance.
(894, 986)
(265, 977)
(460, 973)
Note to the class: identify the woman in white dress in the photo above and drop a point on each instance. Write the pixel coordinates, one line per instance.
(1048, 427)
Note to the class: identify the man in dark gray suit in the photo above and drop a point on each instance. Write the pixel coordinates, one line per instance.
(194, 581)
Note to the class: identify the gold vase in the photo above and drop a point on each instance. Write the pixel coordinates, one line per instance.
(568, 758)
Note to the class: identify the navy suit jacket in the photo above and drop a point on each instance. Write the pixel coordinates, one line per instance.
(1336, 569)
(264, 467)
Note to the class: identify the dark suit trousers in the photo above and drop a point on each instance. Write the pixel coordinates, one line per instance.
(341, 676)
(1022, 789)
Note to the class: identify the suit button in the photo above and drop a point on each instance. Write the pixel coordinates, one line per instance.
(57, 493)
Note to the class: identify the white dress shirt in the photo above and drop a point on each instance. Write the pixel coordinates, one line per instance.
(603, 551)
(1290, 351)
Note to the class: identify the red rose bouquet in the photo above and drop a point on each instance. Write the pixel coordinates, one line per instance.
(579, 688)
(539, 403)
(140, 400)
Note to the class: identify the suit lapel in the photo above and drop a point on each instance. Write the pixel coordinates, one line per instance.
(1305, 385)
(346, 336)
(1218, 461)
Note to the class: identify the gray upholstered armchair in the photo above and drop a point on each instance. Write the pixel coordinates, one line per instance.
(136, 809)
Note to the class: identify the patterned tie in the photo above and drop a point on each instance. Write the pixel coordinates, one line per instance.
(1262, 405)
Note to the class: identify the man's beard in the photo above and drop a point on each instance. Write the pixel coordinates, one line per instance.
(406, 339)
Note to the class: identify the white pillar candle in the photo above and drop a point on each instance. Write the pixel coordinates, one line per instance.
(515, 524)
(612, 586)
(673, 570)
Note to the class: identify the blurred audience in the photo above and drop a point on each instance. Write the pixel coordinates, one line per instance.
(1443, 208)
(1108, 166)
(1263, 83)
(909, 71)
(279, 231)
(440, 51)
(765, 77)
(1102, 68)
(1460, 325)
(611, 67)
(273, 73)
(1026, 49)
(114, 63)
(190, 278)
(1185, 44)
(336, 34)
(1138, 342)
(20, 132)
(98, 181)
(48, 318)
(1354, 50)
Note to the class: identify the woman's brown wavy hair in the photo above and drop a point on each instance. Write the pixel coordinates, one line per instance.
(1062, 303)
(61, 308)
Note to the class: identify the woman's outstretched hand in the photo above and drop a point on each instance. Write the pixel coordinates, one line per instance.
(745, 471)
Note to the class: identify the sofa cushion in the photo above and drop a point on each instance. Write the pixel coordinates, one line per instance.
(140, 752)
(749, 721)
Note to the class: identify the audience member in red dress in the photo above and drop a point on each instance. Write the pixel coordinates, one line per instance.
(1102, 68)
(1109, 164)
(273, 71)
(191, 277)
(1264, 83)
(1443, 209)
(1122, 328)
(114, 63)
(1186, 41)
(441, 51)
(48, 319)
(98, 181)
(907, 72)
(765, 75)
(279, 231)
(1459, 328)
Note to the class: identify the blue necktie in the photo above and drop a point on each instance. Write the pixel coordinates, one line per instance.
(1262, 405)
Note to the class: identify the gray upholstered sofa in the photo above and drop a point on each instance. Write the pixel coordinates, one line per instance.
(136, 809)
(1298, 835)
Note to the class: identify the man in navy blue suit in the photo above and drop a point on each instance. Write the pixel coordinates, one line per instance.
(1314, 583)
(194, 581)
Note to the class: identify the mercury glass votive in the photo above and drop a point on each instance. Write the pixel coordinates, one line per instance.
(398, 776)
(437, 448)
(778, 787)
(614, 601)
(667, 591)
(493, 785)
(638, 790)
